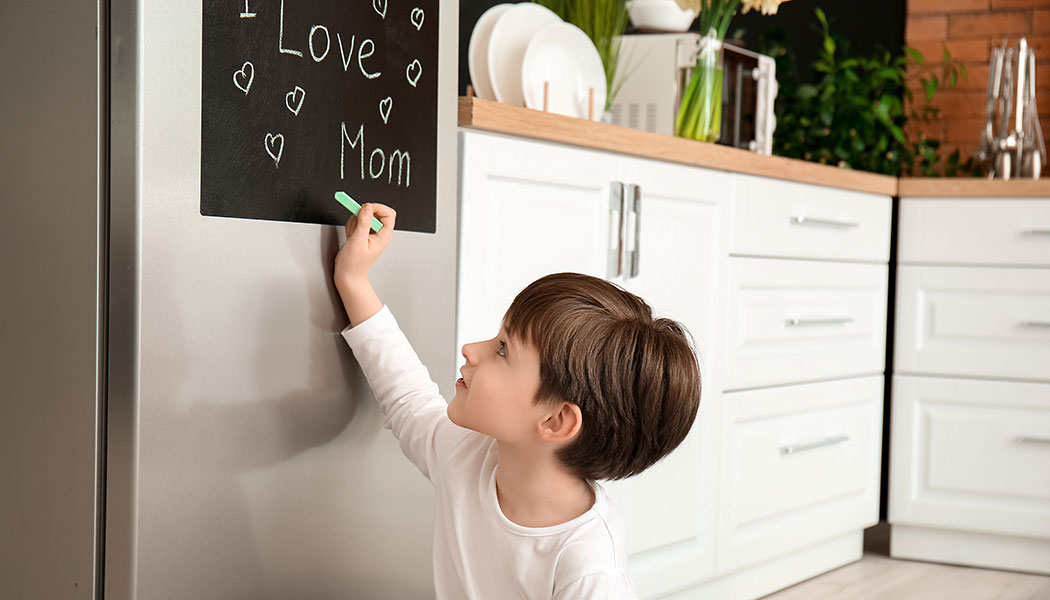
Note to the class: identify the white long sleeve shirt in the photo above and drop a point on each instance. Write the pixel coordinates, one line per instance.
(479, 553)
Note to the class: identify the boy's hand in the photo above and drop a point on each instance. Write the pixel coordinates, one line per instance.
(363, 246)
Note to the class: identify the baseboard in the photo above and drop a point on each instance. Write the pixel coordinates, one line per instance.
(767, 577)
(1011, 553)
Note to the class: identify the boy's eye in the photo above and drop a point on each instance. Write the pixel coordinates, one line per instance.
(502, 348)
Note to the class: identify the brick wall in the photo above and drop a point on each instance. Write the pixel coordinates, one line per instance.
(970, 28)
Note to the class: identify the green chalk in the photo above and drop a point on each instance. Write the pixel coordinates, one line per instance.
(355, 208)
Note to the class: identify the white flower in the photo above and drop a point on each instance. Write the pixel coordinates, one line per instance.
(766, 7)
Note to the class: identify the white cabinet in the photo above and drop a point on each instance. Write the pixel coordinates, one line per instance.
(802, 413)
(795, 320)
(784, 218)
(778, 478)
(802, 466)
(528, 209)
(670, 510)
(970, 433)
(974, 321)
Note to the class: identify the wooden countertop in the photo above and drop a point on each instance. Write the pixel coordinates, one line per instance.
(969, 187)
(496, 117)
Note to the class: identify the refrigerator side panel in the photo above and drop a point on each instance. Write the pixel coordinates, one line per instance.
(49, 317)
(256, 463)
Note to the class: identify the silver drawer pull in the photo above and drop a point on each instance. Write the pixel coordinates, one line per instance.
(800, 220)
(1028, 439)
(794, 448)
(800, 322)
(1036, 324)
(1035, 232)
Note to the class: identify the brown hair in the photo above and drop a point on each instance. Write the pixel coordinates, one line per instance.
(635, 378)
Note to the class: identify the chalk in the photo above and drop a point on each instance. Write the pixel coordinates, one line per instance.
(355, 208)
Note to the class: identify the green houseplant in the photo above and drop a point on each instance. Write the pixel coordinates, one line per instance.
(857, 112)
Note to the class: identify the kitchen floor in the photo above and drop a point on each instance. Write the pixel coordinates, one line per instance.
(877, 577)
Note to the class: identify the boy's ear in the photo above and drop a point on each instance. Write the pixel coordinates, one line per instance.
(561, 424)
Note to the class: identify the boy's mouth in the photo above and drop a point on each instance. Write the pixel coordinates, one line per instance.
(461, 383)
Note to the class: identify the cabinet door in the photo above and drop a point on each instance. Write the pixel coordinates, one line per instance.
(973, 322)
(971, 454)
(670, 509)
(802, 467)
(527, 209)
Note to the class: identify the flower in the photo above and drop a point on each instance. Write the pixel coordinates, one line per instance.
(766, 7)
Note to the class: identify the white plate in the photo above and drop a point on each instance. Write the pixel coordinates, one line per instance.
(510, 37)
(478, 51)
(563, 55)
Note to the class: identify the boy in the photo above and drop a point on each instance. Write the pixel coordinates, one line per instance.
(580, 384)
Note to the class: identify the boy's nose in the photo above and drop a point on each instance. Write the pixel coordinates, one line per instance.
(470, 353)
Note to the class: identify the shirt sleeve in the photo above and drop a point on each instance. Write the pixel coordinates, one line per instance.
(412, 406)
(603, 585)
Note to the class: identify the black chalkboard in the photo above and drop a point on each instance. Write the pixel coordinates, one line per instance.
(301, 98)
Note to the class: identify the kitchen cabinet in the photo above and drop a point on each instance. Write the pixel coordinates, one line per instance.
(970, 433)
(780, 473)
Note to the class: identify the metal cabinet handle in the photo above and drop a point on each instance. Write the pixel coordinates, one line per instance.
(634, 202)
(800, 220)
(1036, 324)
(833, 321)
(1035, 232)
(795, 448)
(617, 219)
(1029, 439)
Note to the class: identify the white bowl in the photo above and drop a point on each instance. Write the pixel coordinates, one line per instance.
(659, 15)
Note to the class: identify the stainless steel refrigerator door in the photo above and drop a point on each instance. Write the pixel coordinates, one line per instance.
(49, 298)
(246, 454)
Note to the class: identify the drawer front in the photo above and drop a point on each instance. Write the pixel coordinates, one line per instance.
(972, 321)
(802, 465)
(971, 455)
(788, 219)
(975, 232)
(795, 321)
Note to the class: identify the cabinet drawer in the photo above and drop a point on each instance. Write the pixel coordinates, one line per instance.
(783, 218)
(793, 321)
(802, 465)
(992, 322)
(975, 232)
(971, 455)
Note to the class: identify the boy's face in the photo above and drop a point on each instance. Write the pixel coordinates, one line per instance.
(496, 394)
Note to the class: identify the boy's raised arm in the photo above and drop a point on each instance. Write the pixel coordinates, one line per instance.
(411, 403)
(356, 257)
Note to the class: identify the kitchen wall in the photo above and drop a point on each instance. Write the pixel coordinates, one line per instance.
(970, 28)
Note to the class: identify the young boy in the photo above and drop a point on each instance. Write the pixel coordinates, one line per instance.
(581, 383)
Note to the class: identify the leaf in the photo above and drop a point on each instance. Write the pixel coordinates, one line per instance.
(807, 91)
(915, 54)
(829, 45)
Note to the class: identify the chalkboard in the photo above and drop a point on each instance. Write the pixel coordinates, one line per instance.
(302, 98)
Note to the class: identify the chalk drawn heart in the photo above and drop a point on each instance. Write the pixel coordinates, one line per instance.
(384, 108)
(289, 99)
(380, 6)
(417, 18)
(247, 71)
(272, 142)
(419, 71)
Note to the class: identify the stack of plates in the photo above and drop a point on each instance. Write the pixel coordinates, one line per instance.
(515, 48)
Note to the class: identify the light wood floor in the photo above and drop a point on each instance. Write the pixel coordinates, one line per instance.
(879, 577)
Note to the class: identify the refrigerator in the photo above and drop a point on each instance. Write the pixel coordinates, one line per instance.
(181, 417)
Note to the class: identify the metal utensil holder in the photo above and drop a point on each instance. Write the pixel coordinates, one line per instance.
(1012, 141)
